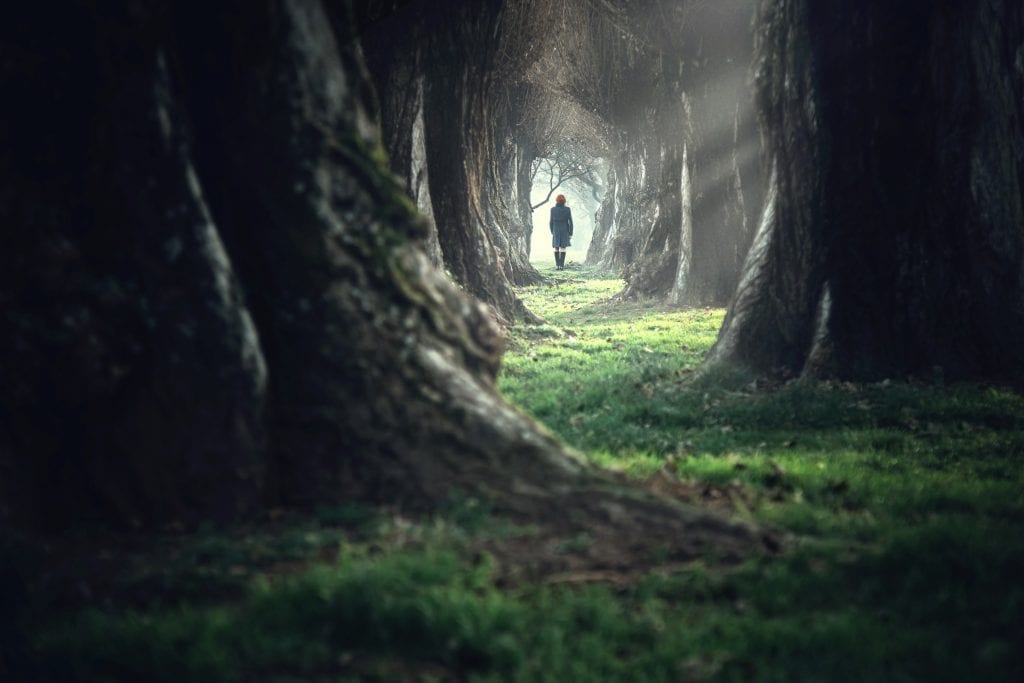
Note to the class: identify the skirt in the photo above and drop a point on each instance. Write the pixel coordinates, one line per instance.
(560, 237)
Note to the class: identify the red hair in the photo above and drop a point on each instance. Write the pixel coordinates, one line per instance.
(560, 199)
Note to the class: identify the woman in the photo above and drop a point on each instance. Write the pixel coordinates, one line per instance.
(561, 229)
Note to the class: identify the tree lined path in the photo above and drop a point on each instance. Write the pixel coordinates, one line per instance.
(900, 502)
(262, 261)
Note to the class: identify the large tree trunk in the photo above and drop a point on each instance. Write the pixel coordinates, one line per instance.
(135, 382)
(892, 242)
(505, 207)
(216, 298)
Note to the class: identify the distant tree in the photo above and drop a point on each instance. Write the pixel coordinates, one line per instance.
(545, 121)
(569, 164)
(669, 81)
(691, 251)
(892, 242)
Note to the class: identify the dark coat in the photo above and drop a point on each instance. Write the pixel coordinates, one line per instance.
(561, 226)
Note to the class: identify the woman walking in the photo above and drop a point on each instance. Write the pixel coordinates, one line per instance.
(561, 229)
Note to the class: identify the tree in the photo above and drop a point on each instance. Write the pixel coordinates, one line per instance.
(217, 298)
(570, 163)
(397, 69)
(640, 227)
(725, 181)
(668, 79)
(463, 91)
(547, 124)
(691, 249)
(893, 236)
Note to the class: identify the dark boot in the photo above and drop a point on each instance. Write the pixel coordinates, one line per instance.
(561, 260)
(558, 261)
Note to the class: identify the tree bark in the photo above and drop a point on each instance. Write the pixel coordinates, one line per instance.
(220, 300)
(396, 66)
(524, 186)
(723, 189)
(892, 242)
(464, 102)
(663, 236)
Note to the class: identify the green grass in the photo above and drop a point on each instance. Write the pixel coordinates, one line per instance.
(903, 503)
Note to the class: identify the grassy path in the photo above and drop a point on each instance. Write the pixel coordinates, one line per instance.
(905, 504)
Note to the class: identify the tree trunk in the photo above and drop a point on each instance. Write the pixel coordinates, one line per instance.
(676, 220)
(691, 253)
(219, 297)
(664, 238)
(468, 127)
(506, 206)
(135, 383)
(723, 175)
(466, 135)
(419, 182)
(604, 224)
(630, 205)
(397, 67)
(524, 186)
(892, 242)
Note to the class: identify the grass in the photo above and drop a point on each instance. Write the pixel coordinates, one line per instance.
(904, 504)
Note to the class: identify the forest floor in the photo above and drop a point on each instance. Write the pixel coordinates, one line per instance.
(903, 505)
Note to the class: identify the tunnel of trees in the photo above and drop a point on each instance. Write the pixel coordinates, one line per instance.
(222, 301)
(641, 85)
(217, 297)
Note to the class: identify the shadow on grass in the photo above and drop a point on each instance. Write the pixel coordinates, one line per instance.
(904, 502)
